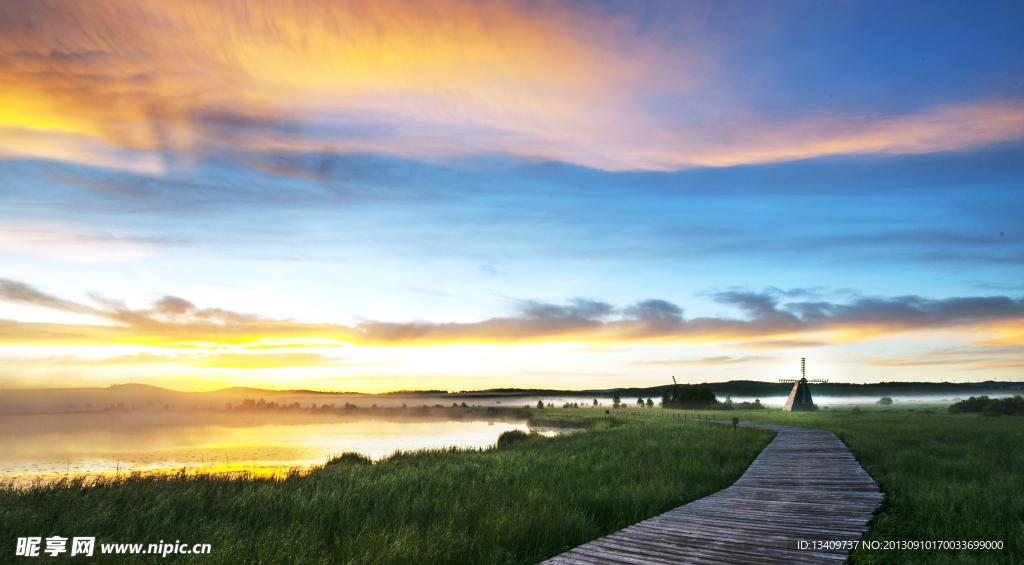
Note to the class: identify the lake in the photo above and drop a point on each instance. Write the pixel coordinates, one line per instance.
(51, 446)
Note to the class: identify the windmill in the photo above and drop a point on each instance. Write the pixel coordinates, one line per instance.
(800, 397)
(676, 394)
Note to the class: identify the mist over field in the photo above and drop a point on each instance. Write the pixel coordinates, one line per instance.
(247, 404)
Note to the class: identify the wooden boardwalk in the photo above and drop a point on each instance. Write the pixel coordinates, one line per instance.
(804, 486)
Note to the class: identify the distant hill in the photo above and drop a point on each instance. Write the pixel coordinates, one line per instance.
(848, 390)
(841, 390)
(152, 398)
(760, 389)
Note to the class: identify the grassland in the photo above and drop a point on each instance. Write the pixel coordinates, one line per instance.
(946, 477)
(517, 504)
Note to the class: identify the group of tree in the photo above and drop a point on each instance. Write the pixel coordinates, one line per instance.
(249, 404)
(1012, 406)
(728, 404)
(541, 405)
(690, 396)
(640, 402)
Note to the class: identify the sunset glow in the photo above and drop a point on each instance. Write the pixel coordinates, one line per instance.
(466, 194)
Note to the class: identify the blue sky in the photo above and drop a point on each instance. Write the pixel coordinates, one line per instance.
(630, 192)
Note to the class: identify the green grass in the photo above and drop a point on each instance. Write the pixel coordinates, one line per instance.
(520, 504)
(945, 477)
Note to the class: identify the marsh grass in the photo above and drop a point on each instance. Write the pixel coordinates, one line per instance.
(521, 503)
(945, 477)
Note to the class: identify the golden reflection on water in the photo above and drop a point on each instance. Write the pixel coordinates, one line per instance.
(52, 446)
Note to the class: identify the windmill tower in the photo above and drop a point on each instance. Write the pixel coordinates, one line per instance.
(800, 397)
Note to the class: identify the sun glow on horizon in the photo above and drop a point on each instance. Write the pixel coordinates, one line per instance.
(373, 195)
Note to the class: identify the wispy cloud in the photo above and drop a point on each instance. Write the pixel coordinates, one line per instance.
(941, 128)
(74, 245)
(775, 344)
(172, 320)
(716, 360)
(219, 360)
(960, 358)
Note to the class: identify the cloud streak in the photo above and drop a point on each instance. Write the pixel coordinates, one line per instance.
(73, 245)
(704, 361)
(173, 321)
(220, 360)
(960, 358)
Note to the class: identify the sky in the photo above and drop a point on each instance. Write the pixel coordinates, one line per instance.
(379, 195)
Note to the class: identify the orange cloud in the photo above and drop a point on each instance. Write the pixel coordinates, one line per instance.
(945, 128)
(224, 360)
(153, 75)
(116, 84)
(263, 360)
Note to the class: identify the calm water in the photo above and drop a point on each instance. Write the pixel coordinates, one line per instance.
(52, 446)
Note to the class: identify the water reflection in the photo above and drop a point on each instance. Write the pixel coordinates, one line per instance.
(53, 446)
(550, 431)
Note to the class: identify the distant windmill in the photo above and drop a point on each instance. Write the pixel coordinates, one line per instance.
(676, 393)
(800, 397)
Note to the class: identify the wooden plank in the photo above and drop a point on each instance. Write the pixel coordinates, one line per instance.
(805, 485)
(680, 544)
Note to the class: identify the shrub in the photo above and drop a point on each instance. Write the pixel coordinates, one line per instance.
(990, 407)
(512, 436)
(884, 401)
(1010, 406)
(696, 396)
(348, 458)
(972, 404)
